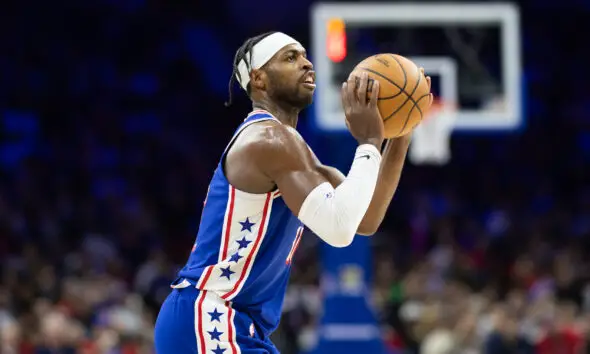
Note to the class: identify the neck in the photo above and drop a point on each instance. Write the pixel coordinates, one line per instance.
(286, 115)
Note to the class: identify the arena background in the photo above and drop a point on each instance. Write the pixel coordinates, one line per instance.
(112, 121)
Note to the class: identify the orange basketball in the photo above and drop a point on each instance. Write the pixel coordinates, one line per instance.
(403, 91)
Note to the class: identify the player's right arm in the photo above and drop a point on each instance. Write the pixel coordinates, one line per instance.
(334, 214)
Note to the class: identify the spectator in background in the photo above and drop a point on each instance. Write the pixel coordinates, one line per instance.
(505, 337)
(563, 335)
(439, 341)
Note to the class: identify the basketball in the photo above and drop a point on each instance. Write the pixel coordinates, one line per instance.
(403, 91)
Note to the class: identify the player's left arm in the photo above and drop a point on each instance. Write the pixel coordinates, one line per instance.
(392, 164)
(390, 171)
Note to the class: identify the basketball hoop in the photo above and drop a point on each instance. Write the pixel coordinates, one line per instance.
(431, 139)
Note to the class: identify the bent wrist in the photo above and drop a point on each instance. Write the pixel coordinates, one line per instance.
(376, 142)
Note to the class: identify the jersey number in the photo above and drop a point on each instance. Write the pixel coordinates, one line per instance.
(295, 245)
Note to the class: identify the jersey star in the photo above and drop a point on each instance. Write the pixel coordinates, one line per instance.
(247, 225)
(215, 316)
(243, 242)
(226, 272)
(235, 257)
(219, 350)
(215, 334)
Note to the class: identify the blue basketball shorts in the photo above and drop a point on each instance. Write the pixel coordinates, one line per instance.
(200, 322)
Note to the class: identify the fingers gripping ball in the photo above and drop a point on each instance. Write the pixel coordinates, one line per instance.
(404, 91)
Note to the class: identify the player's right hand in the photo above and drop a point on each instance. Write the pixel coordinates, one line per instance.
(362, 115)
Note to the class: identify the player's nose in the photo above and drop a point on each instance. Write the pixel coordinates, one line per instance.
(307, 65)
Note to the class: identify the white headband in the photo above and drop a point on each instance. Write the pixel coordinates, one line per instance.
(261, 54)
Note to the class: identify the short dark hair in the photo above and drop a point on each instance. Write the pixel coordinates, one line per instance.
(241, 55)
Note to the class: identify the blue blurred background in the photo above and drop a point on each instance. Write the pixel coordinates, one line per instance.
(111, 124)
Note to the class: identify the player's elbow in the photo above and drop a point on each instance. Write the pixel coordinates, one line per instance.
(344, 232)
(342, 240)
(367, 230)
(338, 235)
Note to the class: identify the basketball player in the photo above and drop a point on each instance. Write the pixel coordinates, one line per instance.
(267, 187)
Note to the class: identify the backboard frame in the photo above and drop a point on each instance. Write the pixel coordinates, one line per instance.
(506, 15)
(446, 69)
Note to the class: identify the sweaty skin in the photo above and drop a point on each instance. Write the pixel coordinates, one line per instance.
(270, 155)
(271, 146)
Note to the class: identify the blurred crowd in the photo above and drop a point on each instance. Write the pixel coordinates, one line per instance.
(110, 130)
(451, 303)
(449, 284)
(498, 294)
(84, 303)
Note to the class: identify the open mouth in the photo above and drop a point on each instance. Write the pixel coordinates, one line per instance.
(309, 80)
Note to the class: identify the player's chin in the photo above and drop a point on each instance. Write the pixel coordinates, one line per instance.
(306, 96)
(306, 101)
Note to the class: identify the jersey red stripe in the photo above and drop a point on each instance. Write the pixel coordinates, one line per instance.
(204, 279)
(230, 328)
(199, 318)
(261, 230)
(232, 198)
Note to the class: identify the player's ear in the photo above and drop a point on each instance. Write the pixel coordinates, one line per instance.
(258, 79)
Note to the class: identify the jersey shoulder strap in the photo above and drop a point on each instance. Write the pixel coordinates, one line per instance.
(254, 117)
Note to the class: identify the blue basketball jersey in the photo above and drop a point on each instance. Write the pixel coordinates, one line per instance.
(244, 245)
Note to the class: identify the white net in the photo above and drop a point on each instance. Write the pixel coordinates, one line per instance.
(431, 139)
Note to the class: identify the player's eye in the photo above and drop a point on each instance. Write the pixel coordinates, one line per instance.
(291, 57)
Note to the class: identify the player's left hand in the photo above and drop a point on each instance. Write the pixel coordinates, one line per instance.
(429, 81)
